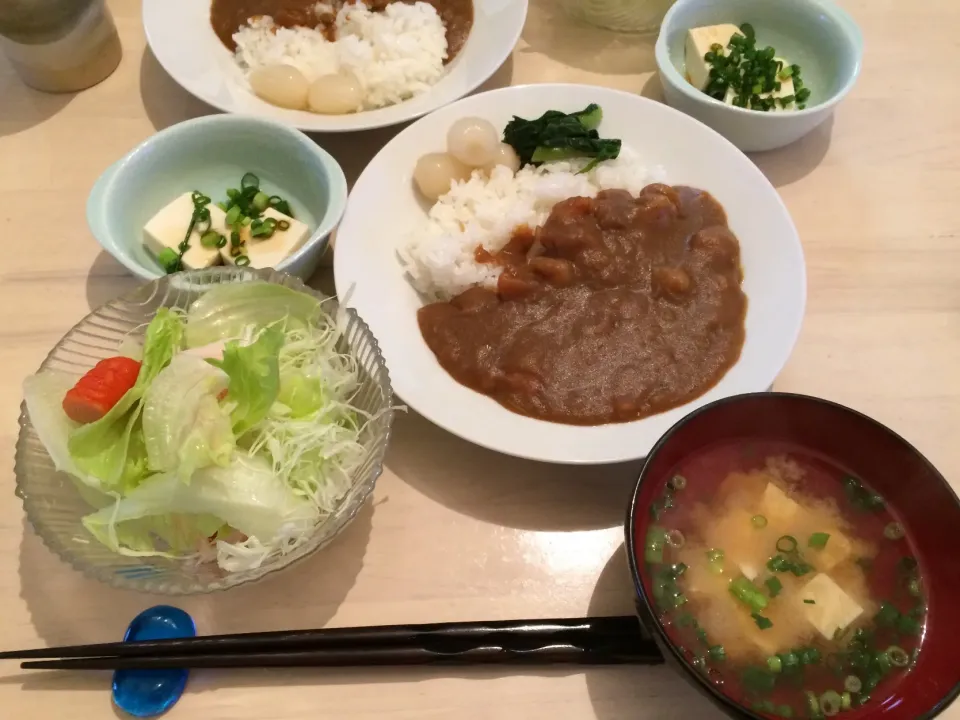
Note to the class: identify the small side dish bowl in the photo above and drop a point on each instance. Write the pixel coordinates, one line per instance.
(211, 154)
(56, 503)
(819, 442)
(817, 35)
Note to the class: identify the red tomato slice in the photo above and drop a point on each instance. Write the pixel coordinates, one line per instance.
(100, 389)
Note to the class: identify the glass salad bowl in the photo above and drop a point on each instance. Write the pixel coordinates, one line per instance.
(56, 503)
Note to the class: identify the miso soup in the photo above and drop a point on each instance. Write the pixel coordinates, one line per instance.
(788, 582)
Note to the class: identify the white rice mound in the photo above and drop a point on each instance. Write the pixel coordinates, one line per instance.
(485, 211)
(396, 54)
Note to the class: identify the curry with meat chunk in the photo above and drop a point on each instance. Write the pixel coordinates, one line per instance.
(615, 309)
(228, 16)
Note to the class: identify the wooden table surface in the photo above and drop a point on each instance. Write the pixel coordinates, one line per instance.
(457, 532)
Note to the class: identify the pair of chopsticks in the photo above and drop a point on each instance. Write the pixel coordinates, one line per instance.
(605, 640)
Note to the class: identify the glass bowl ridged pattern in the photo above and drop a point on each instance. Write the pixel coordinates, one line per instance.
(52, 500)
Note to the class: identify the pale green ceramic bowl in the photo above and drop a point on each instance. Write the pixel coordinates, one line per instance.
(816, 34)
(211, 154)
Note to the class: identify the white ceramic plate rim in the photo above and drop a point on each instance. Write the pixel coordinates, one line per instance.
(181, 38)
(370, 279)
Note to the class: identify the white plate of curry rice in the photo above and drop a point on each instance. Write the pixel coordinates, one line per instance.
(562, 272)
(332, 65)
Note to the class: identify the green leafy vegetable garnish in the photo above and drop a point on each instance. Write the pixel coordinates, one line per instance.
(561, 136)
(254, 372)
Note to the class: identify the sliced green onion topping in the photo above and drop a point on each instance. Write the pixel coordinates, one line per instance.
(898, 656)
(675, 539)
(774, 586)
(893, 531)
(233, 215)
(221, 241)
(774, 663)
(169, 260)
(249, 180)
(715, 555)
(818, 540)
(261, 201)
(653, 547)
(758, 521)
(242, 261)
(762, 622)
(808, 601)
(845, 701)
(852, 684)
(786, 544)
(830, 703)
(677, 482)
(914, 588)
(748, 594)
(717, 653)
(283, 224)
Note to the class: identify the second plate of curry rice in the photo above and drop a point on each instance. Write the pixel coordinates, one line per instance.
(562, 272)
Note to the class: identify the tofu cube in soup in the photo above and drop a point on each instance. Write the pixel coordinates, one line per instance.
(827, 607)
(777, 506)
(266, 252)
(168, 228)
(837, 549)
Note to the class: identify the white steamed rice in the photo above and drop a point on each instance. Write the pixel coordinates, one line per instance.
(396, 54)
(482, 211)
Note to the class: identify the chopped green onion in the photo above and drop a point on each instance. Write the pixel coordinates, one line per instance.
(677, 482)
(748, 594)
(245, 221)
(169, 260)
(653, 548)
(261, 201)
(234, 238)
(893, 531)
(221, 241)
(762, 622)
(898, 656)
(758, 521)
(774, 586)
(778, 563)
(813, 704)
(786, 544)
(717, 653)
(210, 239)
(233, 193)
(785, 73)
(830, 703)
(675, 539)
(758, 680)
(803, 94)
(908, 625)
(747, 29)
(887, 615)
(852, 684)
(818, 540)
(715, 555)
(809, 656)
(677, 570)
(233, 215)
(283, 225)
(790, 661)
(882, 661)
(808, 601)
(242, 261)
(717, 48)
(845, 701)
(774, 663)
(249, 180)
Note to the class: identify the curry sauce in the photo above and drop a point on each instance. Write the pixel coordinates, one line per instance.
(615, 309)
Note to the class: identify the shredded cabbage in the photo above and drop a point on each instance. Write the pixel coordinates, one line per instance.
(238, 438)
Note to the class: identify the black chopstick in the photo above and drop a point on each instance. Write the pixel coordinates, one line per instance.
(533, 632)
(601, 650)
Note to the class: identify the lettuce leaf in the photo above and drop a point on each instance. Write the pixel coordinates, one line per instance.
(254, 372)
(104, 449)
(247, 495)
(228, 311)
(184, 427)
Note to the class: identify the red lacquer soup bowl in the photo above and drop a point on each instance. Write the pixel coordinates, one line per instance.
(899, 659)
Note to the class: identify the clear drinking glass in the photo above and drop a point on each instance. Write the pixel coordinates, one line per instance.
(59, 45)
(635, 16)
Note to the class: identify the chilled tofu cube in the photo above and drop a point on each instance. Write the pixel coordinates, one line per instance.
(698, 43)
(777, 506)
(837, 549)
(168, 227)
(831, 609)
(267, 252)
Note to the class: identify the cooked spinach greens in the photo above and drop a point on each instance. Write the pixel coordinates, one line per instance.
(561, 136)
